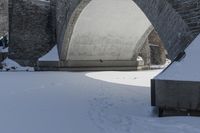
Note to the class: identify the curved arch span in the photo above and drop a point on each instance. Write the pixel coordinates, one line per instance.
(167, 22)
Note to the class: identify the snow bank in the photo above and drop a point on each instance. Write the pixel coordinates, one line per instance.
(188, 68)
(51, 55)
(10, 65)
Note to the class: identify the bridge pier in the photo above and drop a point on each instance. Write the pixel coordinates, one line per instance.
(34, 32)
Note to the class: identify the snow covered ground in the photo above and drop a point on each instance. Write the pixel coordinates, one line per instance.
(83, 102)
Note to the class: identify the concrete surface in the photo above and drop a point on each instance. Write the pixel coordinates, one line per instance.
(177, 22)
(108, 30)
(168, 22)
(174, 94)
(89, 66)
(178, 86)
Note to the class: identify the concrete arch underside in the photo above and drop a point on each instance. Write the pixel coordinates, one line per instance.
(108, 33)
(170, 26)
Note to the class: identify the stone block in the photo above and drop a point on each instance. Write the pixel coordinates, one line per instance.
(172, 94)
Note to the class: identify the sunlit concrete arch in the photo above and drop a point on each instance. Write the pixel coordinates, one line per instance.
(111, 31)
(168, 23)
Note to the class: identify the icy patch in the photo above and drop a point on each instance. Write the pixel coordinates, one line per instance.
(187, 69)
(51, 55)
(10, 65)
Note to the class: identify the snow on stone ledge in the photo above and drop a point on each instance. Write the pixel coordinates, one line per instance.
(10, 65)
(187, 69)
(51, 55)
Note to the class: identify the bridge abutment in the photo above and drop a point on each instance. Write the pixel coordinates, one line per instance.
(35, 27)
(31, 30)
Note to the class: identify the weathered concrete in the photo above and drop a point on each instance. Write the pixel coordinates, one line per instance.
(178, 86)
(168, 23)
(158, 52)
(3, 17)
(172, 94)
(89, 66)
(31, 30)
(107, 41)
(113, 34)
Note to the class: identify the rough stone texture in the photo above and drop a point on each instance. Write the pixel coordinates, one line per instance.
(158, 52)
(145, 53)
(173, 30)
(168, 23)
(153, 51)
(3, 17)
(190, 12)
(31, 30)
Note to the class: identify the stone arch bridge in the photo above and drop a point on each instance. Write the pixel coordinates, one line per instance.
(177, 23)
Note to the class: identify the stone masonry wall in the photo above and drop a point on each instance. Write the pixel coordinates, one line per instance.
(31, 30)
(3, 17)
(190, 12)
(158, 52)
